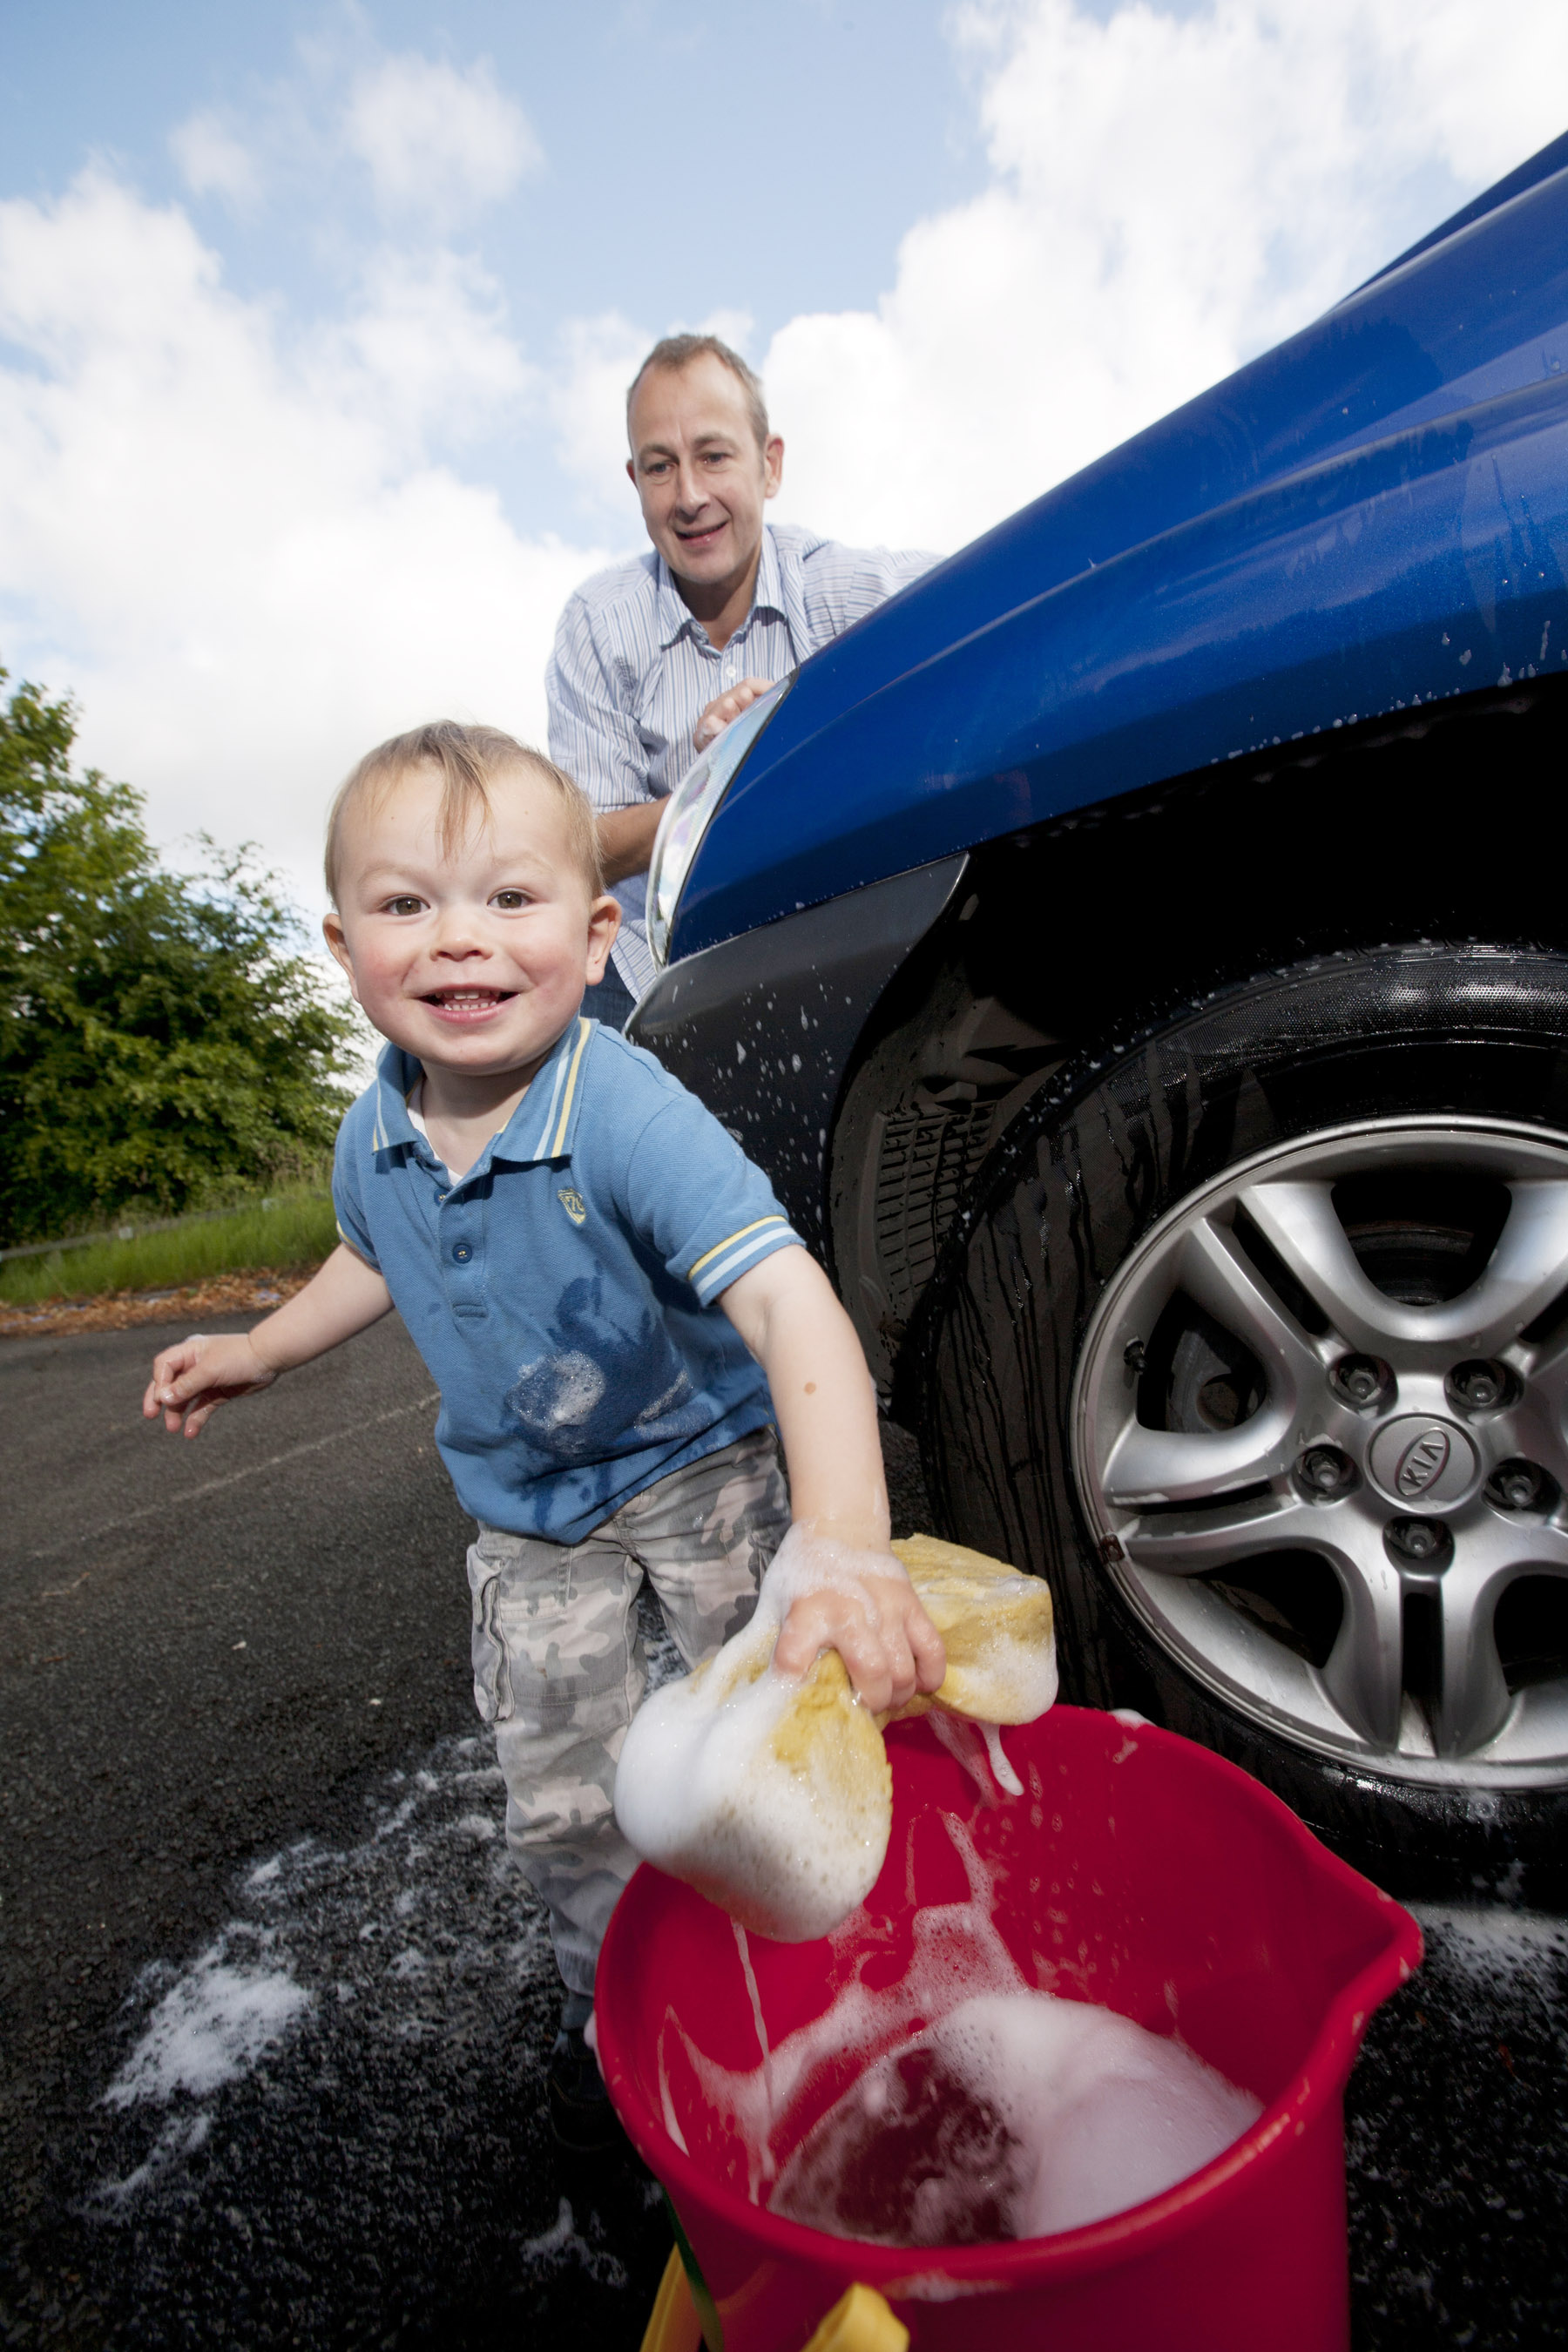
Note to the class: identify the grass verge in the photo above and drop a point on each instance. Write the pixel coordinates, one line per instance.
(298, 1230)
(256, 1292)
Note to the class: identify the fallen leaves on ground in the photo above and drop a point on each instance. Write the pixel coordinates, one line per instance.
(253, 1292)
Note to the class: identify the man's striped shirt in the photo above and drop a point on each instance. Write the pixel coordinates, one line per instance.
(633, 670)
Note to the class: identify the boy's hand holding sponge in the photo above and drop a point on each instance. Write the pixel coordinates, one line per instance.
(771, 1791)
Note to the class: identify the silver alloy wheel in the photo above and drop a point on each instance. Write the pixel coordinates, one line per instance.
(1372, 1447)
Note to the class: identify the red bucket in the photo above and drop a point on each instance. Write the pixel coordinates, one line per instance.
(1138, 1871)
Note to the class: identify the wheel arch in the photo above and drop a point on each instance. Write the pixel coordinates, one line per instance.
(1064, 940)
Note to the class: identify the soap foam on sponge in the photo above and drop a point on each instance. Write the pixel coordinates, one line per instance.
(774, 1796)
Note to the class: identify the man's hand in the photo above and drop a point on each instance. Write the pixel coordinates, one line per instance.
(190, 1379)
(728, 706)
(862, 1604)
(626, 838)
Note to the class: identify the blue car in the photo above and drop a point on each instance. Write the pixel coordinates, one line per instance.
(1139, 954)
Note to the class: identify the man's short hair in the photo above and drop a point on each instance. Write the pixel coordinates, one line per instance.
(676, 352)
(467, 759)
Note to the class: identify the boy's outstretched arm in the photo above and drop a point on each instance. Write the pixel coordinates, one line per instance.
(190, 1379)
(852, 1594)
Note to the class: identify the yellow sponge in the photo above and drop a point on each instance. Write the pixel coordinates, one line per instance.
(774, 1798)
(996, 1626)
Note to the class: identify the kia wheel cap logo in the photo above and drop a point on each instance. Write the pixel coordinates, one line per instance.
(1419, 1460)
(1424, 1459)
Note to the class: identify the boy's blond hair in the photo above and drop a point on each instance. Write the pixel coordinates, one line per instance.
(468, 759)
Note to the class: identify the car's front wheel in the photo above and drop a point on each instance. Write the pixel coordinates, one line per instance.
(1257, 1346)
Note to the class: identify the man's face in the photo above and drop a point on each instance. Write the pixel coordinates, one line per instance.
(473, 961)
(702, 480)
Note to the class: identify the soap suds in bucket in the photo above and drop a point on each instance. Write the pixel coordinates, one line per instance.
(1006, 1777)
(959, 2103)
(1018, 2115)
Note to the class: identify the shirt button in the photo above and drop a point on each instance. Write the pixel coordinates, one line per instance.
(462, 1252)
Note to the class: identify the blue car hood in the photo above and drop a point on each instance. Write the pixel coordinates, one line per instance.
(1373, 515)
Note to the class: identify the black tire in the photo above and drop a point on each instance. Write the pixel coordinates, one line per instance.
(1083, 1174)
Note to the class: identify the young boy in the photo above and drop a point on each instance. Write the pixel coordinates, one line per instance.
(556, 1220)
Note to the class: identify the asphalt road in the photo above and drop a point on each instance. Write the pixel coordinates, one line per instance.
(275, 2009)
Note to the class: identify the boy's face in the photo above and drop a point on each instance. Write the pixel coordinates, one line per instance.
(702, 479)
(473, 962)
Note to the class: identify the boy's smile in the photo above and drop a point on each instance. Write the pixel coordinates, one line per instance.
(472, 959)
(468, 1004)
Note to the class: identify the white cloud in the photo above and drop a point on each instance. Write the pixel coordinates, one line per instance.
(437, 141)
(598, 358)
(233, 541)
(427, 339)
(236, 551)
(213, 162)
(735, 328)
(1169, 195)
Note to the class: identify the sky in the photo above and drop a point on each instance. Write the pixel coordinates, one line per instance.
(316, 319)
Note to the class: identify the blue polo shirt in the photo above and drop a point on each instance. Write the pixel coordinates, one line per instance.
(562, 1293)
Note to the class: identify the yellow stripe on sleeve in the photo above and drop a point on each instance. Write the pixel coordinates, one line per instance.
(719, 1248)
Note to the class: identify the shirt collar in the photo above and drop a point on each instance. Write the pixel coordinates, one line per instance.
(542, 1127)
(395, 1073)
(768, 594)
(676, 618)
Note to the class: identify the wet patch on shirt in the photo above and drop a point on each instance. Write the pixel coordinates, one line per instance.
(578, 1404)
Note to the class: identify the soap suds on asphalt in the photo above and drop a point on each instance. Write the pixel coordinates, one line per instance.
(340, 2098)
(213, 2025)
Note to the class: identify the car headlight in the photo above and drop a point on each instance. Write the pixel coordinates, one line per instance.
(690, 811)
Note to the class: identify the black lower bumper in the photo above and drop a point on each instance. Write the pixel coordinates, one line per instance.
(762, 1028)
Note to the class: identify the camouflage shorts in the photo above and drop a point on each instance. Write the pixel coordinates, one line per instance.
(558, 1666)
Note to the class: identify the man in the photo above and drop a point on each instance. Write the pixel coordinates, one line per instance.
(654, 656)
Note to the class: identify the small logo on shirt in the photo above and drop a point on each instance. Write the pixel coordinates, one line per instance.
(573, 1203)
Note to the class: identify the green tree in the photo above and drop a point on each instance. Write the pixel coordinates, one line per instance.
(161, 1033)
